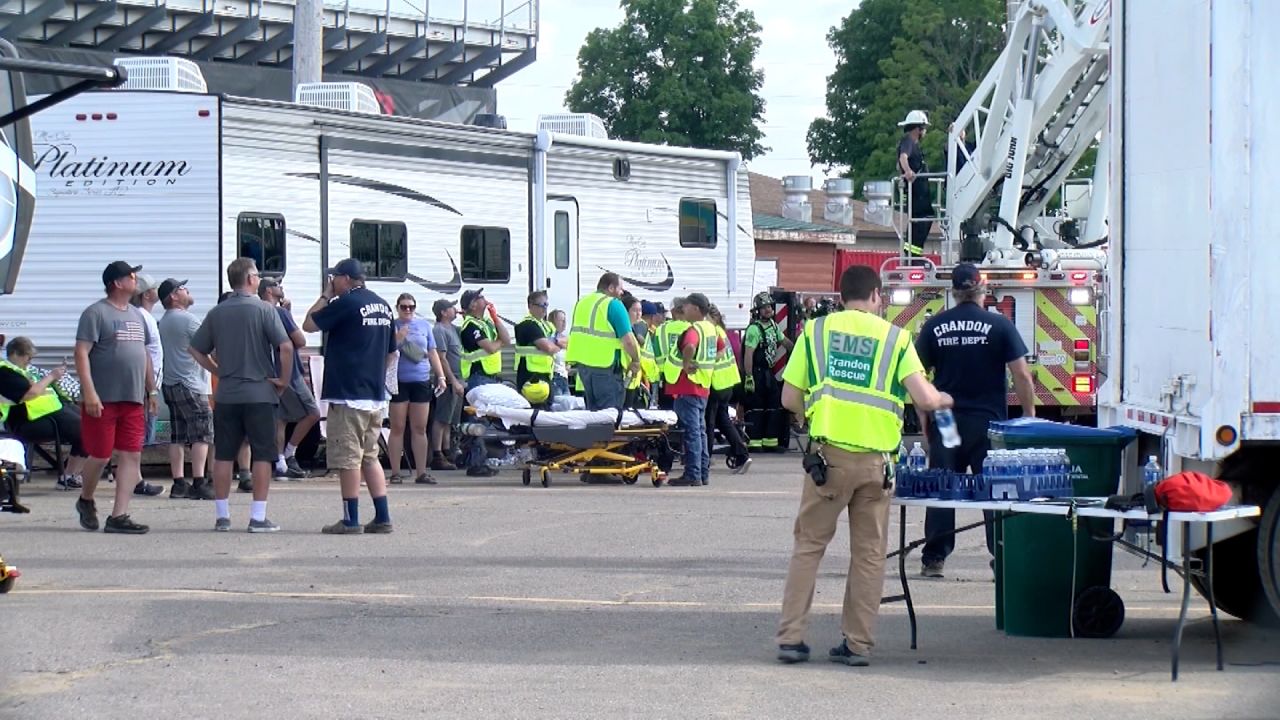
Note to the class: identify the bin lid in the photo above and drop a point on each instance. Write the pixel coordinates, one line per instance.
(1036, 429)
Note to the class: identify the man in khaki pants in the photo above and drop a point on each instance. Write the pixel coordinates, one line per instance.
(848, 377)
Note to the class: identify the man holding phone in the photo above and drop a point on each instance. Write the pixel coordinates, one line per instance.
(483, 337)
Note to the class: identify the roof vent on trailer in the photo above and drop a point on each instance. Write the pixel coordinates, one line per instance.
(795, 204)
(162, 73)
(349, 96)
(582, 124)
(839, 209)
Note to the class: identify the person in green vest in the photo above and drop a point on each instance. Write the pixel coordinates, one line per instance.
(601, 345)
(483, 336)
(536, 346)
(849, 379)
(725, 379)
(37, 413)
(768, 426)
(688, 375)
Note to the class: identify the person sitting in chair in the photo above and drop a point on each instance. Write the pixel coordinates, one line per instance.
(37, 414)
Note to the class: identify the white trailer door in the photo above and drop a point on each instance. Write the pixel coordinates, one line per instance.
(561, 258)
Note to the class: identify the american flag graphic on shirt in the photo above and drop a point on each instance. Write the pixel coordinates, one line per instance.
(128, 331)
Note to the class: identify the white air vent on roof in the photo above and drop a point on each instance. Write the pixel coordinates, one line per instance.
(584, 124)
(162, 73)
(349, 96)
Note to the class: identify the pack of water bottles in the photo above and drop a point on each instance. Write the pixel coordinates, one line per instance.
(915, 480)
(1028, 473)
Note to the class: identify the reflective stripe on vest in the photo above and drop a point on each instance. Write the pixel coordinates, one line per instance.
(725, 374)
(857, 407)
(704, 357)
(533, 359)
(648, 361)
(592, 340)
(490, 362)
(46, 404)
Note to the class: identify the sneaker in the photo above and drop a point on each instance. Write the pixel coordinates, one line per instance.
(146, 488)
(123, 524)
(244, 483)
(845, 656)
(932, 569)
(222, 525)
(484, 471)
(180, 490)
(440, 464)
(293, 470)
(69, 482)
(263, 526)
(684, 481)
(377, 528)
(201, 489)
(88, 513)
(425, 479)
(745, 466)
(791, 654)
(279, 471)
(341, 528)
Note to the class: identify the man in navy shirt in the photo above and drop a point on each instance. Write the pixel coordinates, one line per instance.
(968, 349)
(359, 349)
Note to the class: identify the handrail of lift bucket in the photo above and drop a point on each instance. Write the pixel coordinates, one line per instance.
(902, 206)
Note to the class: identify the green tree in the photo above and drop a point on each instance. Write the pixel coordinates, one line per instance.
(893, 56)
(676, 72)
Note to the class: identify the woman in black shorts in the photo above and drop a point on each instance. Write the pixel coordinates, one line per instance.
(419, 363)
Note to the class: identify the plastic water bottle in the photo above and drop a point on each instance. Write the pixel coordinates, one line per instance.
(946, 422)
(1064, 472)
(917, 460)
(1151, 473)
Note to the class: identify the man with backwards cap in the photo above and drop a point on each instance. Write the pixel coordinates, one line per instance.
(185, 387)
(116, 382)
(968, 349)
(359, 349)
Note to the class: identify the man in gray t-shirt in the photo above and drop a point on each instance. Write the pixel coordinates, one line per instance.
(245, 334)
(116, 380)
(447, 409)
(185, 387)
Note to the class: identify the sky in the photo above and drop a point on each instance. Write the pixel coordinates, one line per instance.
(794, 55)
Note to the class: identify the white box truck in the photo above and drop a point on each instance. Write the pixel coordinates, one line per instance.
(1192, 348)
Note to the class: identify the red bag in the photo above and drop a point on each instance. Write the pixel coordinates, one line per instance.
(1192, 492)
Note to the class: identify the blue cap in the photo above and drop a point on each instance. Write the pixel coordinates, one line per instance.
(966, 276)
(350, 267)
(647, 308)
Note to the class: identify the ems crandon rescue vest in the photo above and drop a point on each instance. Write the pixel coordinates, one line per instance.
(855, 399)
(592, 340)
(704, 357)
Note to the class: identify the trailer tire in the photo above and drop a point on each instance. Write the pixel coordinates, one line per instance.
(1269, 551)
(1237, 585)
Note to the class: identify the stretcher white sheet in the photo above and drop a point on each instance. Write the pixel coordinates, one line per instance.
(511, 417)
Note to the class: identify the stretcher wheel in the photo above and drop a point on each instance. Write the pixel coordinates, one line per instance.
(526, 476)
(1099, 613)
(630, 480)
(657, 480)
(546, 479)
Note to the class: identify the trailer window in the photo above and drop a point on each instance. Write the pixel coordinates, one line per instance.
(562, 240)
(381, 247)
(486, 254)
(697, 223)
(262, 238)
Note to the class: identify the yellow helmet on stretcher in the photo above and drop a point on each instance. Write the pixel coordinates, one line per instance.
(536, 392)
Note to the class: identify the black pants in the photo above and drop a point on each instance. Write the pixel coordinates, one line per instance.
(718, 419)
(63, 425)
(921, 207)
(940, 524)
(768, 424)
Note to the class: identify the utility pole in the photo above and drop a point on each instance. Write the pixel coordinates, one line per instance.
(308, 52)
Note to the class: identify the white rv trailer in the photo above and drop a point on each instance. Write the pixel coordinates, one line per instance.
(182, 183)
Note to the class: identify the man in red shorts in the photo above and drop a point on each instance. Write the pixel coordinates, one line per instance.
(115, 380)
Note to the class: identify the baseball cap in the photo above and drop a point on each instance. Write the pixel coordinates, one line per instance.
(441, 305)
(659, 309)
(966, 277)
(350, 267)
(647, 308)
(469, 297)
(118, 269)
(169, 286)
(145, 283)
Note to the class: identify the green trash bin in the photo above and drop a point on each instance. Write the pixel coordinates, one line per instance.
(1035, 554)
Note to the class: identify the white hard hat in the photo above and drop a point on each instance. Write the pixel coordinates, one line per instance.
(915, 117)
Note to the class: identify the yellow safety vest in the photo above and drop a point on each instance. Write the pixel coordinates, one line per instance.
(669, 334)
(704, 358)
(536, 361)
(648, 360)
(46, 404)
(725, 374)
(592, 340)
(855, 399)
(490, 362)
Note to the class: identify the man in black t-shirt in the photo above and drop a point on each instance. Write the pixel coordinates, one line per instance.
(535, 344)
(968, 349)
(911, 163)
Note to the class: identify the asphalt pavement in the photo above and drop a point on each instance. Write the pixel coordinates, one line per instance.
(494, 600)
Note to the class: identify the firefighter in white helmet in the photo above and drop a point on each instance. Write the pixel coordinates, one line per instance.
(911, 163)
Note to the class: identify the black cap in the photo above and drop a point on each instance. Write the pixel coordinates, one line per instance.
(469, 297)
(966, 276)
(659, 308)
(350, 267)
(169, 286)
(439, 306)
(118, 269)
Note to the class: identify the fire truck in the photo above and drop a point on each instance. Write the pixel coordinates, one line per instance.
(1005, 201)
